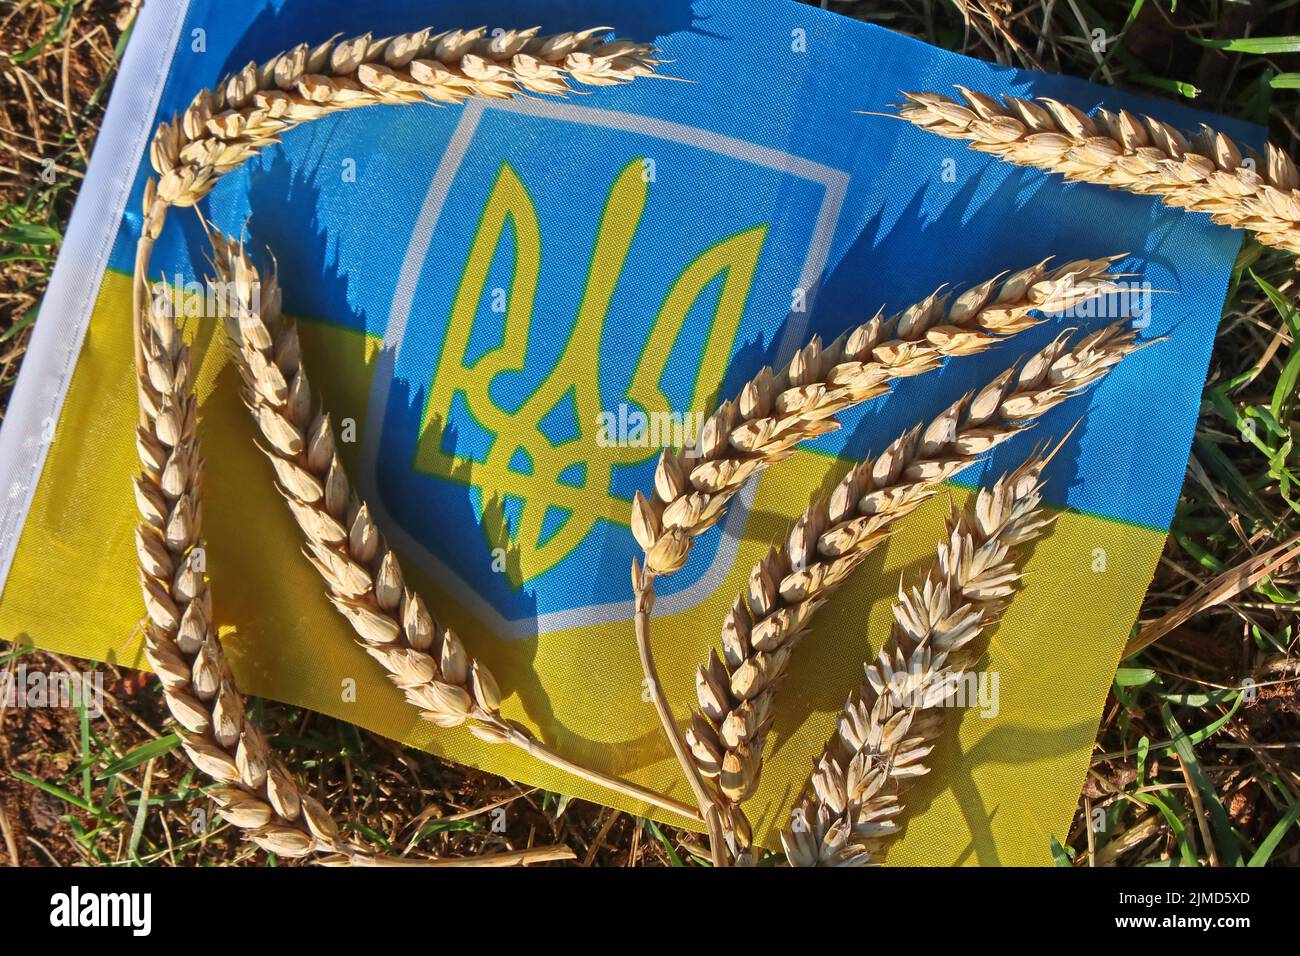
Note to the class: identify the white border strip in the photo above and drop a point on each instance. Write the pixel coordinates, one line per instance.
(55, 344)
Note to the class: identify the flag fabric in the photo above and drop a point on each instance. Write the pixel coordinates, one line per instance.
(509, 307)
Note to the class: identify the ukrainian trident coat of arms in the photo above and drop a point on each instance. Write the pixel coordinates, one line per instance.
(524, 401)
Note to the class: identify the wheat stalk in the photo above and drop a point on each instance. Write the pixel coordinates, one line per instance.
(427, 661)
(883, 736)
(1206, 172)
(789, 585)
(254, 791)
(219, 130)
(776, 411)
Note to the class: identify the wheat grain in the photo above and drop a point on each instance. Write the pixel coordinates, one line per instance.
(776, 411)
(735, 691)
(1206, 172)
(883, 736)
(363, 576)
(254, 791)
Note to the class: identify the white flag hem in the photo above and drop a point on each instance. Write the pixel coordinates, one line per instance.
(46, 373)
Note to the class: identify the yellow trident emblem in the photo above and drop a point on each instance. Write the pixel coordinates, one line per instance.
(571, 475)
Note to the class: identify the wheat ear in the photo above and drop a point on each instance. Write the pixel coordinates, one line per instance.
(776, 411)
(736, 690)
(883, 736)
(427, 661)
(254, 791)
(252, 108)
(1205, 172)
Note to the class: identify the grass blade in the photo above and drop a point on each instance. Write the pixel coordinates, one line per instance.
(1255, 45)
(141, 814)
(1261, 856)
(1225, 840)
(133, 758)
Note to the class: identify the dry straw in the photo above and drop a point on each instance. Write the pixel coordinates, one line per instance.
(426, 660)
(790, 584)
(219, 130)
(1206, 172)
(885, 733)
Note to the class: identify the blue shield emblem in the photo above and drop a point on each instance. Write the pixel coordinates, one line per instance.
(577, 287)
